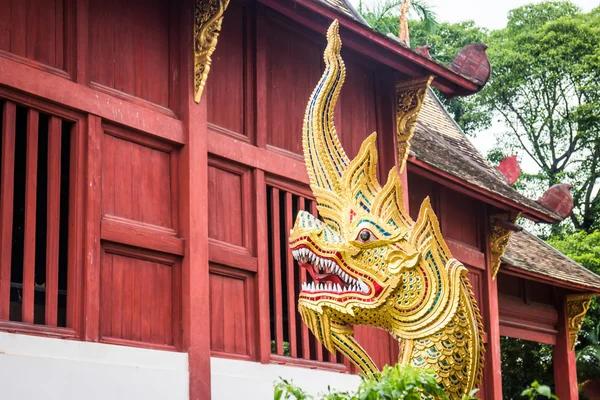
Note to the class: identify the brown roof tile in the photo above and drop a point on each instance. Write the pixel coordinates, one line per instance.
(529, 253)
(440, 142)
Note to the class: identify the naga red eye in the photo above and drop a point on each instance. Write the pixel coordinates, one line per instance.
(365, 236)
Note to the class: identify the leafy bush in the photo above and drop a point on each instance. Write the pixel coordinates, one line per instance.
(398, 382)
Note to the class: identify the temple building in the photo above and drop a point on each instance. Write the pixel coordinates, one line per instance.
(151, 170)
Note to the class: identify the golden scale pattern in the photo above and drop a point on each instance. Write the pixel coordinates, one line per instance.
(208, 17)
(416, 290)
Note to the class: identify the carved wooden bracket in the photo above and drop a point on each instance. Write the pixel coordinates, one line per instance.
(409, 98)
(208, 16)
(499, 236)
(576, 308)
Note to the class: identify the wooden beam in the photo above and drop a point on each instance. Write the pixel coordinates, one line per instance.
(30, 214)
(493, 359)
(6, 208)
(70, 94)
(565, 367)
(53, 219)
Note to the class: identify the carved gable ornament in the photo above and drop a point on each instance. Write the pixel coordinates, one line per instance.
(576, 307)
(370, 263)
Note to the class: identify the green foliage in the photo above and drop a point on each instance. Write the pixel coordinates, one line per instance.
(536, 390)
(588, 357)
(398, 382)
(545, 89)
(447, 40)
(384, 16)
(523, 362)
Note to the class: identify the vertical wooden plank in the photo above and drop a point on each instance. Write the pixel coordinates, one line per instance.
(6, 208)
(53, 219)
(262, 27)
(76, 227)
(30, 209)
(79, 58)
(18, 32)
(91, 279)
(276, 266)
(318, 346)
(194, 214)
(565, 366)
(492, 372)
(302, 279)
(291, 282)
(262, 255)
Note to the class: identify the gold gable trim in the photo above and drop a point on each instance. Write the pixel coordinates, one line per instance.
(576, 308)
(409, 98)
(208, 17)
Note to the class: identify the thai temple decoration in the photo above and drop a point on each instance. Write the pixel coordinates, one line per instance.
(499, 236)
(409, 98)
(371, 264)
(208, 16)
(576, 308)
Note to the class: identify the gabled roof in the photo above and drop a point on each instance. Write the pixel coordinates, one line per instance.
(528, 253)
(441, 143)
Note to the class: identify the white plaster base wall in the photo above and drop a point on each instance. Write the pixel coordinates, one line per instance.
(55, 369)
(235, 379)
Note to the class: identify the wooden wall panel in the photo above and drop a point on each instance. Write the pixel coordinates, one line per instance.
(231, 308)
(133, 58)
(138, 298)
(357, 109)
(225, 222)
(136, 181)
(460, 217)
(378, 344)
(420, 188)
(34, 29)
(226, 87)
(294, 68)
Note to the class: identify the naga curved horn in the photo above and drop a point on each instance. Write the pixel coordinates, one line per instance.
(323, 153)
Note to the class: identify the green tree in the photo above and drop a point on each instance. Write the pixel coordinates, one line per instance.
(384, 16)
(447, 40)
(545, 88)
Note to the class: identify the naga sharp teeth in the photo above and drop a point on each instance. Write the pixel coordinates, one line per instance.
(338, 287)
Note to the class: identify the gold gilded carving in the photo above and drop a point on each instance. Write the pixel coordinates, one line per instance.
(409, 98)
(576, 308)
(208, 16)
(370, 263)
(499, 237)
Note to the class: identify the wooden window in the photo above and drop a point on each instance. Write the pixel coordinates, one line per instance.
(289, 335)
(36, 217)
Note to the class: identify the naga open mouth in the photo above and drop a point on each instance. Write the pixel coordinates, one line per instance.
(327, 274)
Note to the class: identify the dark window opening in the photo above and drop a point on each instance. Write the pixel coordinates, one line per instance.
(41, 213)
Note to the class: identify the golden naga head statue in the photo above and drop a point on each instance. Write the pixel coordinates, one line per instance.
(370, 263)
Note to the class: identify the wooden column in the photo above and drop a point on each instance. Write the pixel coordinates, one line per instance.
(565, 371)
(194, 218)
(492, 373)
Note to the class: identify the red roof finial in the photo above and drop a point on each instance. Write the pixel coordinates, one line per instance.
(472, 62)
(558, 199)
(509, 167)
(424, 51)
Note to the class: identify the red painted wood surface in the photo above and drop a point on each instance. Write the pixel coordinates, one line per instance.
(34, 29)
(132, 58)
(558, 199)
(510, 168)
(6, 208)
(565, 366)
(53, 220)
(30, 215)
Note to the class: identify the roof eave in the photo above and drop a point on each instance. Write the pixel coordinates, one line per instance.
(452, 181)
(399, 57)
(521, 273)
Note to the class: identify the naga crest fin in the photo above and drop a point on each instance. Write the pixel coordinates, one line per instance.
(324, 156)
